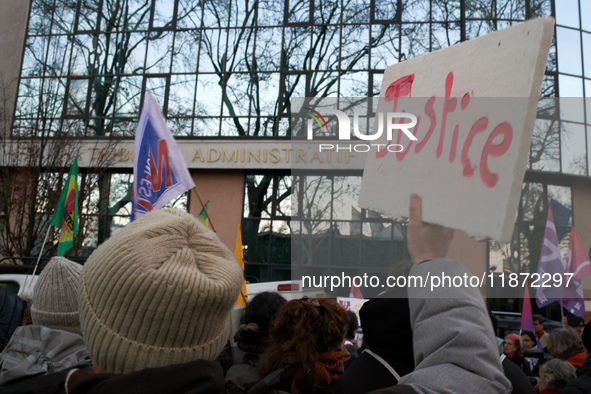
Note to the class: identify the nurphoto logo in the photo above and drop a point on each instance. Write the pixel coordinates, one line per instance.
(394, 121)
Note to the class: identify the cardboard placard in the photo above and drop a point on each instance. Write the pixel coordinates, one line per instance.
(476, 105)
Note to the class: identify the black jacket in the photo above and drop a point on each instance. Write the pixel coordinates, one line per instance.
(52, 383)
(195, 377)
(582, 384)
(388, 334)
(520, 382)
(365, 374)
(11, 314)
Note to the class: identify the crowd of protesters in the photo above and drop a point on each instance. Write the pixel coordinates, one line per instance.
(563, 365)
(150, 313)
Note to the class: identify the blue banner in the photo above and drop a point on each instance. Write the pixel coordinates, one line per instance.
(160, 174)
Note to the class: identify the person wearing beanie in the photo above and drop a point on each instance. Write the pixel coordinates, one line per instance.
(155, 302)
(582, 384)
(55, 299)
(52, 343)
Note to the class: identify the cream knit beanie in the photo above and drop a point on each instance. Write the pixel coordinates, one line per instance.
(158, 293)
(55, 299)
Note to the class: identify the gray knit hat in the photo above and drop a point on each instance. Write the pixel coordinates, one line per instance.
(55, 299)
(158, 293)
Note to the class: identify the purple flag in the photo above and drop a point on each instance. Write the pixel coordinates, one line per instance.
(578, 264)
(550, 264)
(159, 171)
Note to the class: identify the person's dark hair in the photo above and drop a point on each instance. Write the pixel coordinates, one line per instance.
(564, 343)
(586, 337)
(531, 336)
(539, 318)
(575, 321)
(253, 335)
(302, 331)
(353, 325)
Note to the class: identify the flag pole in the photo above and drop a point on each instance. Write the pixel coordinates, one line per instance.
(561, 313)
(205, 210)
(39, 258)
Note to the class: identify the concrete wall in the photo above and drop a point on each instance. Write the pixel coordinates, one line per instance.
(225, 192)
(13, 26)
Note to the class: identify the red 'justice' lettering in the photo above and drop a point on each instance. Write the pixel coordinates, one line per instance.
(478, 127)
(430, 112)
(454, 139)
(402, 87)
(449, 106)
(402, 154)
(495, 150)
(454, 144)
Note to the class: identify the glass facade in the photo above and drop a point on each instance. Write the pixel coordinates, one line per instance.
(229, 69)
(523, 253)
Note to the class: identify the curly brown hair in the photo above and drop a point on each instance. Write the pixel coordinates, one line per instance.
(301, 332)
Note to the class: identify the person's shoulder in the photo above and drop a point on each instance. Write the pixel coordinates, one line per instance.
(46, 333)
(577, 360)
(200, 376)
(365, 373)
(517, 377)
(580, 385)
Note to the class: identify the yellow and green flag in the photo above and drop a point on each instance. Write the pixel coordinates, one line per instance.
(66, 212)
(203, 215)
(242, 297)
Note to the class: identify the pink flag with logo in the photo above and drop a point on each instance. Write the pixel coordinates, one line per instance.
(577, 263)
